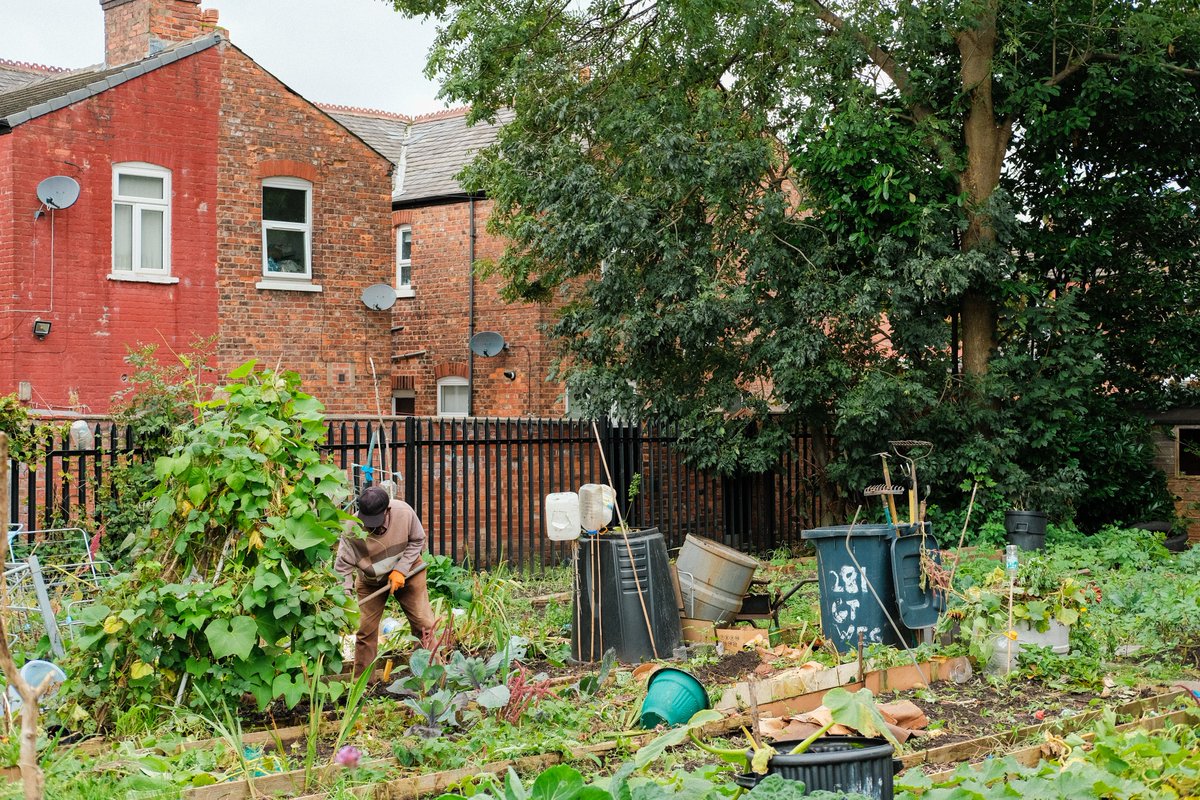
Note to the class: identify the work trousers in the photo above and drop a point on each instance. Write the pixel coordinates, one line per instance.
(414, 601)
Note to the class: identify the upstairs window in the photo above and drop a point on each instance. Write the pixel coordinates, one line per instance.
(287, 228)
(141, 219)
(404, 260)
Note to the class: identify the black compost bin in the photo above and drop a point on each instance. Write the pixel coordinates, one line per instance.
(835, 764)
(1026, 529)
(611, 612)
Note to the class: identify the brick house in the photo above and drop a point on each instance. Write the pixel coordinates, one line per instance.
(440, 232)
(212, 200)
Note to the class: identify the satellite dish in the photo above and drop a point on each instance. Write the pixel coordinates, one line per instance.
(379, 297)
(487, 343)
(58, 192)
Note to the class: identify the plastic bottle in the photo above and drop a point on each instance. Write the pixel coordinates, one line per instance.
(1011, 563)
(596, 502)
(562, 516)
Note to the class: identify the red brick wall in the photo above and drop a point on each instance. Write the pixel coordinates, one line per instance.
(8, 252)
(167, 117)
(131, 26)
(327, 337)
(436, 319)
(1185, 488)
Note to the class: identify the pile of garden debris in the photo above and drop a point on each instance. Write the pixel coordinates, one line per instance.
(903, 717)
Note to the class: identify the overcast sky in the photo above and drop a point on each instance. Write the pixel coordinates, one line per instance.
(347, 52)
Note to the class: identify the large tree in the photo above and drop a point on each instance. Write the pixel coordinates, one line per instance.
(966, 220)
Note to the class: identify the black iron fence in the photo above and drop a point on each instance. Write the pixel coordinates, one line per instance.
(479, 484)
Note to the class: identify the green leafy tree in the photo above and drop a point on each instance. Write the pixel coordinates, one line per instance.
(233, 588)
(885, 219)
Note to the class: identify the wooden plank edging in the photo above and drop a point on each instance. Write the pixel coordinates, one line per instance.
(970, 748)
(1029, 756)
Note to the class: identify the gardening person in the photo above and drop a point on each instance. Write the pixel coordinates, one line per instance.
(390, 551)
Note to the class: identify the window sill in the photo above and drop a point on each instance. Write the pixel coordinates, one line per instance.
(405, 291)
(136, 277)
(287, 286)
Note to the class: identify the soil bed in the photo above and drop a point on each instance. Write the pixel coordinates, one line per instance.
(977, 708)
(731, 668)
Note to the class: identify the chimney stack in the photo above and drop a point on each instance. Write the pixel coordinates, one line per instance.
(136, 29)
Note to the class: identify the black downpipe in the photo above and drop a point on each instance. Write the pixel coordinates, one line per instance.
(471, 309)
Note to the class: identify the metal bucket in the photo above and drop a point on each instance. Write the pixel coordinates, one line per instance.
(713, 579)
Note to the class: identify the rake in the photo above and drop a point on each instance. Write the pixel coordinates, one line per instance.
(885, 491)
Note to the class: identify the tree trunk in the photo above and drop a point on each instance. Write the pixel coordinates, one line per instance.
(986, 141)
(831, 503)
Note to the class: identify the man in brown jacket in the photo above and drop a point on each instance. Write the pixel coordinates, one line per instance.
(390, 550)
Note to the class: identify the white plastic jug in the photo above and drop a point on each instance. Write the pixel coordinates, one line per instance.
(562, 516)
(596, 502)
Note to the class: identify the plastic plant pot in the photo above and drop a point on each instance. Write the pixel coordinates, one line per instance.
(672, 697)
(835, 764)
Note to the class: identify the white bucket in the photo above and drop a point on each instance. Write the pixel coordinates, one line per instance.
(562, 516)
(596, 503)
(1004, 659)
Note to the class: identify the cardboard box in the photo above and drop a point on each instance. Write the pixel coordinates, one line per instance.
(698, 630)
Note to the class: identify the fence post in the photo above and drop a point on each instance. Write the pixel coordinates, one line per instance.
(410, 463)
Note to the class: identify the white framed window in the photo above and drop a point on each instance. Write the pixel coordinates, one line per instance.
(452, 397)
(404, 261)
(141, 231)
(287, 229)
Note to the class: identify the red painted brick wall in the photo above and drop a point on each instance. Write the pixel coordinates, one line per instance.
(167, 117)
(327, 337)
(436, 319)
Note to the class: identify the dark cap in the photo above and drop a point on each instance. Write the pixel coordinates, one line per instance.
(373, 506)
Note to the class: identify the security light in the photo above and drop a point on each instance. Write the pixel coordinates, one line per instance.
(41, 328)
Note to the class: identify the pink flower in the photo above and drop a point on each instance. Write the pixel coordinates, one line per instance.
(348, 756)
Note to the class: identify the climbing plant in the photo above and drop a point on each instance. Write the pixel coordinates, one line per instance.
(154, 411)
(233, 591)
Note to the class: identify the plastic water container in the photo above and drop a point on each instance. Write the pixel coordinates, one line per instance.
(562, 516)
(596, 503)
(389, 625)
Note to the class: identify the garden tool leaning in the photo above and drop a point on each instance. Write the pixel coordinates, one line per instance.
(387, 587)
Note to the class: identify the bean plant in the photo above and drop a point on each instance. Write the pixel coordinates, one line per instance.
(233, 591)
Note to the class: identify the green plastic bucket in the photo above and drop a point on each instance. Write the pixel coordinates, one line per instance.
(672, 697)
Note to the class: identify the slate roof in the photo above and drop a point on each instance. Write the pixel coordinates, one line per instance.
(15, 74)
(32, 100)
(428, 151)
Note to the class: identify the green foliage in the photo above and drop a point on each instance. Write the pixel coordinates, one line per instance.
(449, 580)
(801, 205)
(233, 585)
(27, 439)
(1131, 765)
(156, 409)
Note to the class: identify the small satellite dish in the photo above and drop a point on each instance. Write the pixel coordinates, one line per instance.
(487, 343)
(58, 192)
(379, 297)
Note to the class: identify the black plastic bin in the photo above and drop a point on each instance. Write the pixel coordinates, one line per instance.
(1026, 529)
(608, 611)
(849, 609)
(835, 764)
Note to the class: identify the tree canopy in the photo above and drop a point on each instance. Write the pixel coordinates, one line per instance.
(969, 221)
